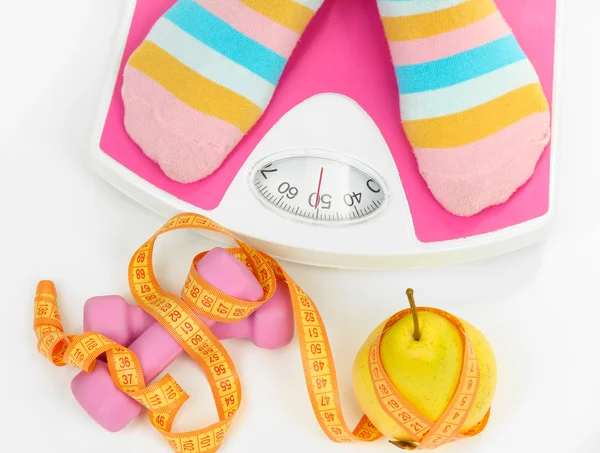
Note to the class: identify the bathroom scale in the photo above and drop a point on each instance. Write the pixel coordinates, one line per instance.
(327, 177)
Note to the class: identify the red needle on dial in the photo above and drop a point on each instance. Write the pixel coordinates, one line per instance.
(319, 189)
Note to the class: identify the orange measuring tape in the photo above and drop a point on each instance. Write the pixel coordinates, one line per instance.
(177, 315)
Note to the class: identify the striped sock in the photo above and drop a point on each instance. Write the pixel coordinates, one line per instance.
(203, 77)
(471, 103)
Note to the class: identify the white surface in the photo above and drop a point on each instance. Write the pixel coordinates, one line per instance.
(539, 307)
(337, 124)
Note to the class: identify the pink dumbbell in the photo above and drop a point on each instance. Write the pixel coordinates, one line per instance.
(122, 322)
(114, 318)
(269, 327)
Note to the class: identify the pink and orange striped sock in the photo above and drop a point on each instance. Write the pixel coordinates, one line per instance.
(203, 77)
(471, 102)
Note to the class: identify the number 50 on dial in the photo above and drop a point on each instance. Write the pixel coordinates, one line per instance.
(319, 187)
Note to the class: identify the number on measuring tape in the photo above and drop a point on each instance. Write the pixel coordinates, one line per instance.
(180, 316)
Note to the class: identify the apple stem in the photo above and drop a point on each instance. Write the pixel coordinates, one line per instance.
(411, 300)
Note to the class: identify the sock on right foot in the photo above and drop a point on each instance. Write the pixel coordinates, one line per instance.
(471, 102)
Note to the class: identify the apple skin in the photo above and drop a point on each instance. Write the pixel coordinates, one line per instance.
(425, 372)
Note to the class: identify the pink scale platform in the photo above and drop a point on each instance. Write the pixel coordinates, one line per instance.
(337, 101)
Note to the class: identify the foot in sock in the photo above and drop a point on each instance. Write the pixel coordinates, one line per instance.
(471, 103)
(203, 77)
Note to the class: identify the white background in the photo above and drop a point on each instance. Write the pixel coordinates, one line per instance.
(539, 307)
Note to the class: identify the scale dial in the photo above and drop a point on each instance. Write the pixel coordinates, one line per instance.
(319, 187)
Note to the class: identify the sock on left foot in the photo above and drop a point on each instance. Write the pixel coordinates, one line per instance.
(471, 102)
(203, 77)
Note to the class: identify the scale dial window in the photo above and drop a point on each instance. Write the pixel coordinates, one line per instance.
(319, 187)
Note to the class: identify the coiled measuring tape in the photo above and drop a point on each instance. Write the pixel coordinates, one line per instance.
(177, 315)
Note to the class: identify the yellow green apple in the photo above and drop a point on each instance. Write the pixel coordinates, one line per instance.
(422, 355)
